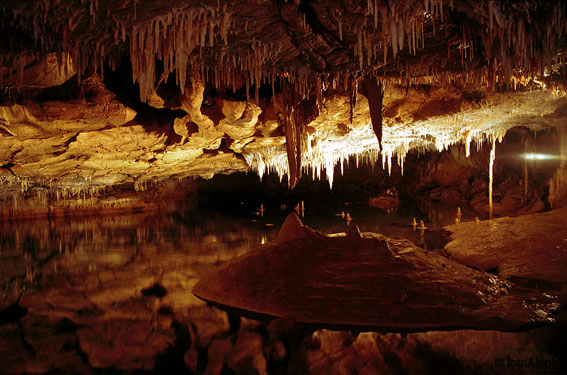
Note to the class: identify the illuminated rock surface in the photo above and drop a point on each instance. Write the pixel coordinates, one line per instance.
(531, 246)
(233, 79)
(104, 104)
(368, 281)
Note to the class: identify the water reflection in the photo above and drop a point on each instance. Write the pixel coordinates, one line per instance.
(91, 276)
(62, 244)
(42, 247)
(30, 251)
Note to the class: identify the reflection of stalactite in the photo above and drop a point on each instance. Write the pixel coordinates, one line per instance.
(526, 148)
(558, 183)
(298, 112)
(374, 92)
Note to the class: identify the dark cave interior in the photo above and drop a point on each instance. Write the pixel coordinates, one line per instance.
(283, 187)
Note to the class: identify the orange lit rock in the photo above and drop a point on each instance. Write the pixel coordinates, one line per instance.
(533, 247)
(42, 72)
(138, 341)
(351, 281)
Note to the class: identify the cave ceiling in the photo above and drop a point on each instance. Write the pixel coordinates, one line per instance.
(267, 85)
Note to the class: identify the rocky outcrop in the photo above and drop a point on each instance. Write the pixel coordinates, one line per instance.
(139, 344)
(530, 247)
(390, 284)
(284, 87)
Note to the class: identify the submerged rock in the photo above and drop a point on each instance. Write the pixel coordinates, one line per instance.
(343, 281)
(385, 202)
(247, 354)
(138, 342)
(215, 356)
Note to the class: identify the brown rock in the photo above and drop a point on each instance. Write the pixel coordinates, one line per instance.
(277, 351)
(53, 344)
(306, 275)
(124, 344)
(44, 72)
(333, 357)
(232, 110)
(156, 101)
(209, 322)
(247, 354)
(514, 245)
(95, 91)
(191, 103)
(191, 358)
(216, 354)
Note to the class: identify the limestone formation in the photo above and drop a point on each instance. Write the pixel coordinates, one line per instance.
(368, 282)
(512, 246)
(375, 78)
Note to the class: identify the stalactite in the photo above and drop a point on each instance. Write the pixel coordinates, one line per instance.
(298, 112)
(353, 94)
(293, 138)
(400, 34)
(491, 176)
(374, 92)
(359, 51)
(525, 168)
(468, 138)
(394, 36)
(172, 38)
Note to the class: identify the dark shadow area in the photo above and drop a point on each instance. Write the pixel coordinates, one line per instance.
(155, 290)
(119, 82)
(171, 360)
(12, 314)
(435, 362)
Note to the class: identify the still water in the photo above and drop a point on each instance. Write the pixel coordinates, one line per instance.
(114, 292)
(28, 247)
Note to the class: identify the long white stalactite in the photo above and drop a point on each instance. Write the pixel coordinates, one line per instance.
(491, 176)
(321, 158)
(474, 127)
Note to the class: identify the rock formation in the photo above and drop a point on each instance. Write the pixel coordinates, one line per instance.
(280, 87)
(366, 281)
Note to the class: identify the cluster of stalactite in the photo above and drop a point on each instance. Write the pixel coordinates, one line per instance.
(93, 36)
(300, 107)
(520, 40)
(497, 44)
(172, 38)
